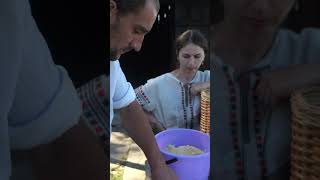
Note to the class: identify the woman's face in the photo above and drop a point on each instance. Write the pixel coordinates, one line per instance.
(191, 57)
(257, 15)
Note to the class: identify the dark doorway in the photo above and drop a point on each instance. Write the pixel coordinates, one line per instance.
(156, 55)
(76, 34)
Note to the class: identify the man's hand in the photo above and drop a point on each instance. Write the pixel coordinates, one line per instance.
(136, 123)
(163, 173)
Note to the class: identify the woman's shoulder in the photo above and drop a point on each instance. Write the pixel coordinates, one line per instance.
(159, 79)
(162, 77)
(204, 73)
(305, 34)
(203, 76)
(303, 47)
(310, 38)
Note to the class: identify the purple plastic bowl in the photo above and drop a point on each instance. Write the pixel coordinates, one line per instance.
(193, 167)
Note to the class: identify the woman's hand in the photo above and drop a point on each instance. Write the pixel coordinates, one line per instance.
(196, 88)
(276, 86)
(155, 122)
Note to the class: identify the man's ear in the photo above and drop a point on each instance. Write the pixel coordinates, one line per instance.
(113, 10)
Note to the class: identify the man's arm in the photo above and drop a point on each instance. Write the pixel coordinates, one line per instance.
(77, 154)
(135, 121)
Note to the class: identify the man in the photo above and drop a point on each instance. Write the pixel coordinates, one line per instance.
(41, 137)
(130, 20)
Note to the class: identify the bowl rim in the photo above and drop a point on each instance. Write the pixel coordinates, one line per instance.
(207, 153)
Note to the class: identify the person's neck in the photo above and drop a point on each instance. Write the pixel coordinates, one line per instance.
(184, 75)
(238, 48)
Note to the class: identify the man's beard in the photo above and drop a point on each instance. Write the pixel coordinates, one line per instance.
(114, 30)
(113, 55)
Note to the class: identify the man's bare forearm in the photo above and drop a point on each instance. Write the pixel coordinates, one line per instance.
(136, 123)
(77, 154)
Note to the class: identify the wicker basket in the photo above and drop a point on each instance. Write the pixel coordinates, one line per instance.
(305, 145)
(205, 111)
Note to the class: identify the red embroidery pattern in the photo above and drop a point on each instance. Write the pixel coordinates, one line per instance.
(93, 97)
(141, 96)
(233, 123)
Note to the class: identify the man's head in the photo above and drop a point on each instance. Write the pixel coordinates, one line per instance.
(130, 21)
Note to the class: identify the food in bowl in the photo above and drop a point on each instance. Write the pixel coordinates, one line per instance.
(183, 150)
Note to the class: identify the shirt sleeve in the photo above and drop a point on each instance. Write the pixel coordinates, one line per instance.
(124, 93)
(146, 95)
(207, 76)
(11, 39)
(310, 38)
(45, 104)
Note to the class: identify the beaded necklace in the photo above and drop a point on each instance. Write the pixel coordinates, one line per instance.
(258, 132)
(233, 124)
(186, 101)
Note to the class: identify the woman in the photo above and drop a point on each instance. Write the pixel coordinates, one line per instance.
(256, 67)
(172, 99)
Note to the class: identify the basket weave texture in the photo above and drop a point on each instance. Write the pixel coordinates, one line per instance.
(205, 111)
(305, 144)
